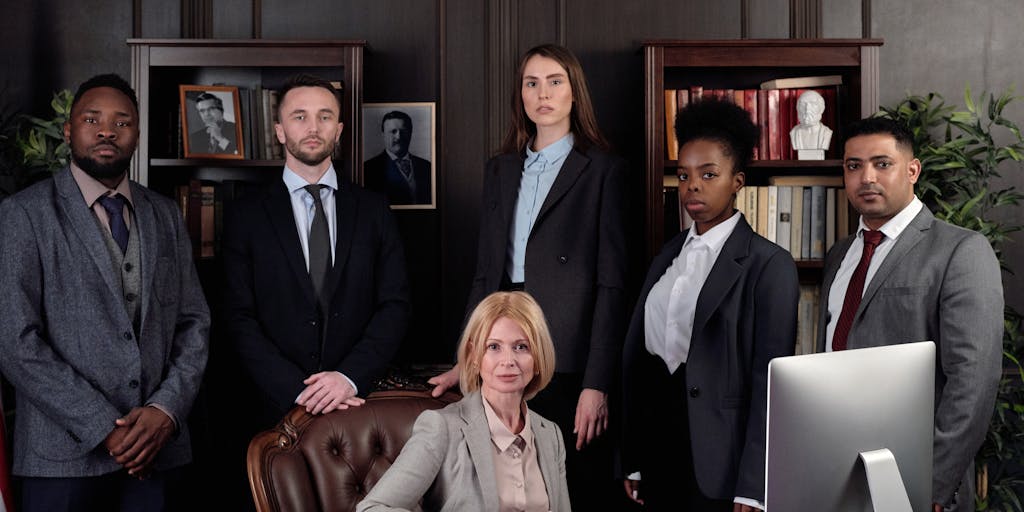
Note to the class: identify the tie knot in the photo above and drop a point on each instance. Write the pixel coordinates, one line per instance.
(872, 237)
(114, 204)
(314, 190)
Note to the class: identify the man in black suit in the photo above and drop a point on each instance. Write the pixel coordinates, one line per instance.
(316, 301)
(217, 136)
(402, 176)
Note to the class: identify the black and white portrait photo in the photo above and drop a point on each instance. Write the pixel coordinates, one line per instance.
(398, 144)
(209, 117)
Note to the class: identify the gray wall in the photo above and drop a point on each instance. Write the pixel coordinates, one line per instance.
(459, 53)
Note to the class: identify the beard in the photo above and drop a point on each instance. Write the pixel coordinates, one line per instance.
(102, 171)
(310, 157)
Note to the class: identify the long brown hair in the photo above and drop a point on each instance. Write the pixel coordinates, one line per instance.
(583, 121)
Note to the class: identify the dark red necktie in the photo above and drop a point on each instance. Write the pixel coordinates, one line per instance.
(855, 290)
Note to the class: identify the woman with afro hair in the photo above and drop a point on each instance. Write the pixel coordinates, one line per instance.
(717, 305)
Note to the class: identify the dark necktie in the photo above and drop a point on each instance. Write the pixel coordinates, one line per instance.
(319, 245)
(114, 205)
(406, 169)
(855, 290)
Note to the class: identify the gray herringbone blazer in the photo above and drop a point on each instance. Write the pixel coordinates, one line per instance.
(67, 341)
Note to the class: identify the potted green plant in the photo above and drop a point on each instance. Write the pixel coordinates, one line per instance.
(32, 148)
(962, 151)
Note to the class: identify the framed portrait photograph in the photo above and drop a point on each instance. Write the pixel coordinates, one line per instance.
(399, 152)
(210, 122)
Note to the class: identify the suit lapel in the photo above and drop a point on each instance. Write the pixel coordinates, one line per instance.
(478, 440)
(345, 222)
(510, 173)
(906, 241)
(85, 227)
(146, 227)
(724, 274)
(571, 170)
(279, 210)
(547, 457)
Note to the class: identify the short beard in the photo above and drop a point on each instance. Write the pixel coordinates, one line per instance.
(100, 171)
(295, 149)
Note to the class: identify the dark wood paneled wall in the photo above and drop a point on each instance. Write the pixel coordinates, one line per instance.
(461, 53)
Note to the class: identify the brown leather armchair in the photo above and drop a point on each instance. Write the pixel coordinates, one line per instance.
(329, 462)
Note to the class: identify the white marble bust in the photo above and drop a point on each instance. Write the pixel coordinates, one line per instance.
(810, 138)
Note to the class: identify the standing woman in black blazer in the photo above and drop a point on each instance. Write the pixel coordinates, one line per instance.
(553, 224)
(718, 303)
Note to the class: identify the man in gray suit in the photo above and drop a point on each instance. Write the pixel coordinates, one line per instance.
(906, 276)
(104, 330)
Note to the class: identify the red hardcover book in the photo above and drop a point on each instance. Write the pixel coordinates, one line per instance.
(750, 105)
(696, 92)
(762, 123)
(774, 126)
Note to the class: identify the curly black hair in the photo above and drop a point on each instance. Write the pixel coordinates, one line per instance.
(722, 122)
(108, 80)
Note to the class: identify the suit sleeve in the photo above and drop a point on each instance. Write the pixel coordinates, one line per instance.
(183, 371)
(970, 354)
(386, 327)
(37, 371)
(414, 471)
(777, 294)
(273, 373)
(609, 319)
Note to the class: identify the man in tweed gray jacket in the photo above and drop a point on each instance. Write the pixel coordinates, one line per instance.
(104, 325)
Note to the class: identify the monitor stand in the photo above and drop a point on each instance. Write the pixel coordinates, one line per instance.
(884, 481)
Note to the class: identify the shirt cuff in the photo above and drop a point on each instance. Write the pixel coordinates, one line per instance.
(749, 502)
(167, 412)
(634, 476)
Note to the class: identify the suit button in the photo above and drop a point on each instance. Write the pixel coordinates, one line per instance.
(563, 259)
(127, 267)
(312, 323)
(133, 384)
(127, 335)
(130, 297)
(694, 392)
(314, 356)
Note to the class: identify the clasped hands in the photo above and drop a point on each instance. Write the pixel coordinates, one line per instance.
(137, 438)
(326, 392)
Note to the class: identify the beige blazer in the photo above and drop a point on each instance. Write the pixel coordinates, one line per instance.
(448, 463)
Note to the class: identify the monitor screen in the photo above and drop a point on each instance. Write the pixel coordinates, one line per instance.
(825, 409)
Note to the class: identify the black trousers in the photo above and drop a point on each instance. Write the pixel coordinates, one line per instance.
(669, 479)
(111, 492)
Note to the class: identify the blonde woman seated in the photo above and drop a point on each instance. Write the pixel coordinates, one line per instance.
(487, 451)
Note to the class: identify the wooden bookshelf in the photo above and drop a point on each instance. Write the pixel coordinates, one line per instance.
(744, 64)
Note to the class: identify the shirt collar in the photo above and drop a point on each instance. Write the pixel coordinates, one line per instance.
(396, 157)
(554, 152)
(898, 223)
(500, 434)
(92, 189)
(715, 237)
(294, 182)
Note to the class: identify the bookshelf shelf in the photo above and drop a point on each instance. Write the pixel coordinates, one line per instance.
(211, 162)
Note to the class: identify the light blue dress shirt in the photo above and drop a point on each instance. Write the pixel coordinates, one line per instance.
(539, 172)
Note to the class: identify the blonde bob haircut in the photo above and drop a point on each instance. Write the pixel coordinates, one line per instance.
(525, 312)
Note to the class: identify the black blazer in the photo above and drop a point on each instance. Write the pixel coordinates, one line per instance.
(380, 174)
(746, 315)
(575, 258)
(270, 310)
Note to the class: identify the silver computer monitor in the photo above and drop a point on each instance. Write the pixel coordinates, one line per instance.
(825, 410)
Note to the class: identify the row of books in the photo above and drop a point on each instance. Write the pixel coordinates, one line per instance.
(803, 214)
(807, 318)
(202, 207)
(772, 109)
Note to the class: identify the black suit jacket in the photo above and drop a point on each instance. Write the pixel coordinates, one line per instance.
(380, 174)
(746, 315)
(271, 313)
(199, 141)
(575, 259)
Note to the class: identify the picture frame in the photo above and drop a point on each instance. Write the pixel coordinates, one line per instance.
(383, 139)
(211, 122)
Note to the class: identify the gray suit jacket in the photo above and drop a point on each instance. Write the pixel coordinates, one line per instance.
(67, 341)
(942, 283)
(448, 462)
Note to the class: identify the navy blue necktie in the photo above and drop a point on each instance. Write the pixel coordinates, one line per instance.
(114, 205)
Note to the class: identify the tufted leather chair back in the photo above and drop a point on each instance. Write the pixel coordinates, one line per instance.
(329, 462)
